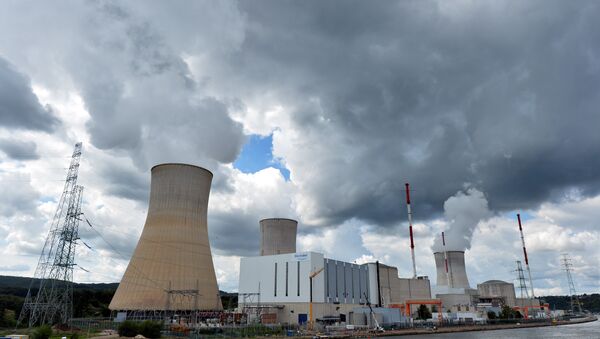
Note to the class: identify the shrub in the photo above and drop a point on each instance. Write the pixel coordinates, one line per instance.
(128, 328)
(150, 329)
(75, 335)
(42, 332)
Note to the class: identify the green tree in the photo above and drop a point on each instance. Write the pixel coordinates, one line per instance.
(423, 312)
(506, 313)
(491, 315)
(42, 332)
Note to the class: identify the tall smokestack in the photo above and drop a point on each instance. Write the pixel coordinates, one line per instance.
(456, 269)
(278, 236)
(446, 259)
(172, 256)
(410, 229)
(525, 254)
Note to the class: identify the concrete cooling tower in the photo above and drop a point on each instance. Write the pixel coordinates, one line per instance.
(277, 236)
(171, 268)
(456, 269)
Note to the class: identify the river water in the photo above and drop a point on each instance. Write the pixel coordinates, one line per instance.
(585, 330)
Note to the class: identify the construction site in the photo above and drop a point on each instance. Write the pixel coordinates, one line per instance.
(170, 278)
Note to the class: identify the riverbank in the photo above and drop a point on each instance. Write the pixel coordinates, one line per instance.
(474, 328)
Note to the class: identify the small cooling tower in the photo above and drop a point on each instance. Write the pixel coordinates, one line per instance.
(171, 268)
(277, 236)
(456, 269)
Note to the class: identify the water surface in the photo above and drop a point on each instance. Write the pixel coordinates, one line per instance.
(585, 330)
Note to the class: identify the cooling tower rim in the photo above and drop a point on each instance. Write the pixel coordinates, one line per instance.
(266, 219)
(442, 252)
(180, 164)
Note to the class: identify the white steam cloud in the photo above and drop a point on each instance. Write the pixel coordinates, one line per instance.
(463, 211)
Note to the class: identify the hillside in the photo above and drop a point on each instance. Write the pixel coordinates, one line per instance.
(90, 300)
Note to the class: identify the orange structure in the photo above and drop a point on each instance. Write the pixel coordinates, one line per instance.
(406, 306)
(544, 307)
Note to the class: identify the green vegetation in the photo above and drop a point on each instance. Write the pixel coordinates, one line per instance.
(509, 313)
(42, 332)
(423, 312)
(589, 302)
(89, 300)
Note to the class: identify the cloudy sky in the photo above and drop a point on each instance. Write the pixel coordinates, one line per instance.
(313, 110)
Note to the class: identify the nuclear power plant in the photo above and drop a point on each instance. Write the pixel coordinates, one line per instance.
(171, 274)
(171, 268)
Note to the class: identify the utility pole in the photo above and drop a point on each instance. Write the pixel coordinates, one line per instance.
(49, 299)
(568, 267)
(521, 279)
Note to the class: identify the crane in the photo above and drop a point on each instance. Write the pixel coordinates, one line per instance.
(310, 307)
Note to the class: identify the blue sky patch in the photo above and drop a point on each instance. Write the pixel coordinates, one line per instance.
(257, 154)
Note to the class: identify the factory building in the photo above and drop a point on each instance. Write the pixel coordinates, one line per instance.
(278, 286)
(498, 290)
(171, 268)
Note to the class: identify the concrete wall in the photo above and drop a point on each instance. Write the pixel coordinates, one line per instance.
(498, 288)
(456, 269)
(270, 273)
(395, 290)
(345, 283)
(278, 236)
(173, 252)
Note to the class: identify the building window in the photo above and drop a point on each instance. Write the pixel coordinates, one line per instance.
(275, 285)
(286, 278)
(298, 278)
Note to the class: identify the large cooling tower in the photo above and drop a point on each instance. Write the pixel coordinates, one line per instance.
(171, 267)
(456, 269)
(277, 236)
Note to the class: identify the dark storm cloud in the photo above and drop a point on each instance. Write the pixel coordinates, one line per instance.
(234, 233)
(125, 182)
(434, 93)
(19, 150)
(19, 107)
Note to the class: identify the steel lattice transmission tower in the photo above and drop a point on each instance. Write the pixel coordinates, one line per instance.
(521, 279)
(568, 267)
(50, 296)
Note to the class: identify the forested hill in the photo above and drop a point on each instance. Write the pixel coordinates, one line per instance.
(19, 285)
(590, 302)
(89, 300)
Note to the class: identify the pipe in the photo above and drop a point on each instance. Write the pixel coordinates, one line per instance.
(378, 286)
(410, 228)
(525, 254)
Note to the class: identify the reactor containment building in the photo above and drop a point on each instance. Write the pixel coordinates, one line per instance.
(171, 268)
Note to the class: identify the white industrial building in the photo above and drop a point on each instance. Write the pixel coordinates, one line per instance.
(279, 285)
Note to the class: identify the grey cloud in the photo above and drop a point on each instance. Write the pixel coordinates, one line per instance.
(15, 268)
(19, 107)
(19, 150)
(125, 182)
(23, 197)
(432, 94)
(142, 99)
